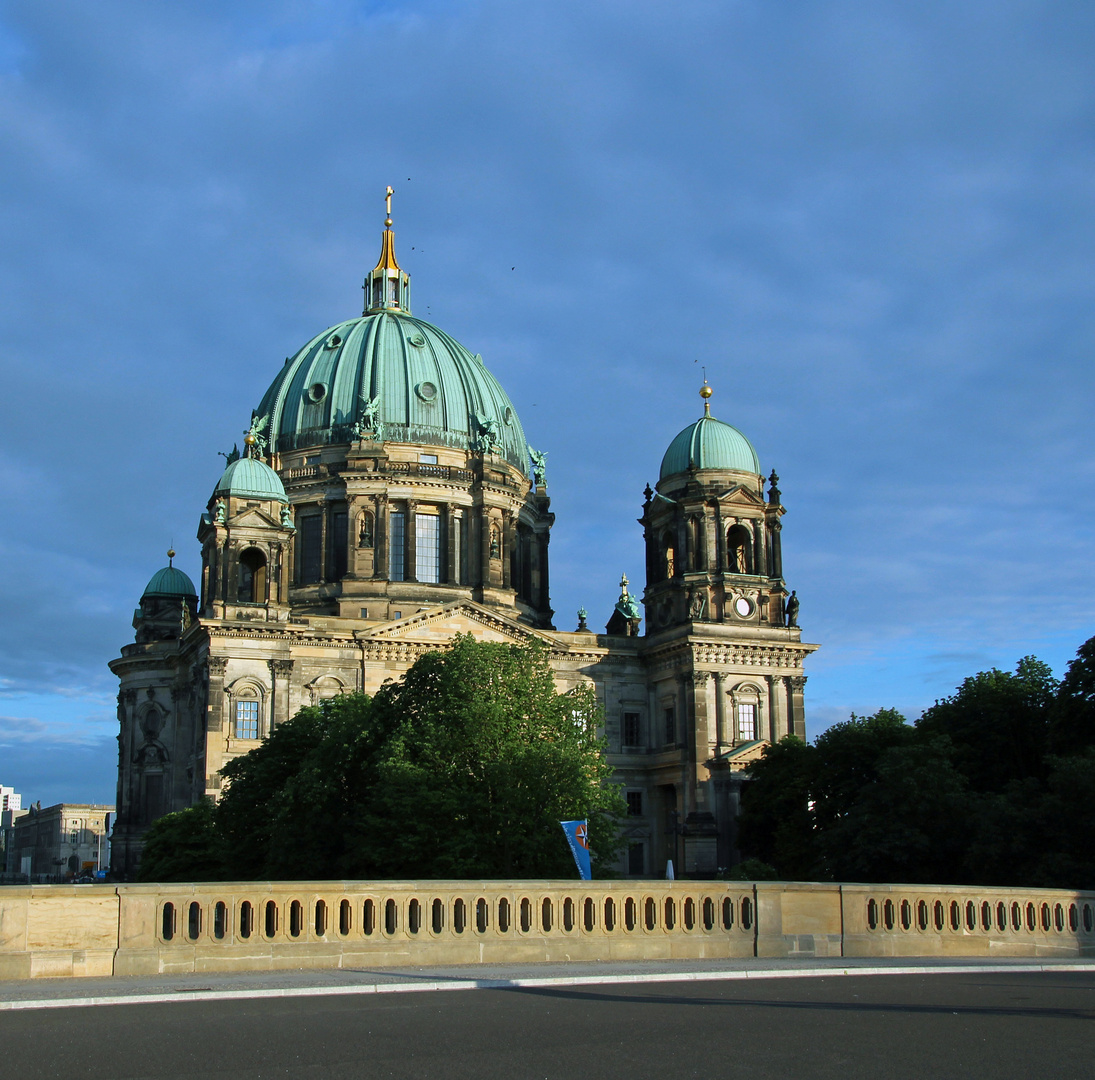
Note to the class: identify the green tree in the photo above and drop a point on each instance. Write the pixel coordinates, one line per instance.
(776, 823)
(483, 760)
(462, 769)
(997, 723)
(183, 846)
(1072, 725)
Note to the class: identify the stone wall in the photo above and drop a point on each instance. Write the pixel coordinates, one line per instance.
(150, 929)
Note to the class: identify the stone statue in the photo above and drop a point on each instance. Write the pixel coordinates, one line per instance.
(232, 455)
(220, 510)
(365, 532)
(792, 609)
(539, 466)
(697, 605)
(583, 626)
(254, 436)
(488, 434)
(495, 546)
(287, 517)
(370, 411)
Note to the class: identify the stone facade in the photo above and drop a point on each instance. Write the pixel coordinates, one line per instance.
(56, 842)
(364, 552)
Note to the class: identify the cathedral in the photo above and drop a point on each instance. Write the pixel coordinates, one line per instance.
(386, 499)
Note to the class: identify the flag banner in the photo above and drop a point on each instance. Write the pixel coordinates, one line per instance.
(578, 837)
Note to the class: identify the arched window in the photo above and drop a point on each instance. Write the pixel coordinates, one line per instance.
(252, 579)
(739, 550)
(669, 555)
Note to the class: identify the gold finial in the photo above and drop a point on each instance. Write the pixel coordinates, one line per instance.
(705, 393)
(170, 555)
(623, 586)
(387, 260)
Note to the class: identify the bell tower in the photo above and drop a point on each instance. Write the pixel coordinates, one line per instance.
(712, 536)
(247, 536)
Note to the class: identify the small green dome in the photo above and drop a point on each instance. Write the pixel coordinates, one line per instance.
(249, 478)
(710, 444)
(420, 385)
(170, 583)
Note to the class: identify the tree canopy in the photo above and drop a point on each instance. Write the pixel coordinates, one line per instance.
(464, 768)
(993, 785)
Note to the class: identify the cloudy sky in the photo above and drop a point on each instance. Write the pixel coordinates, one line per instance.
(872, 222)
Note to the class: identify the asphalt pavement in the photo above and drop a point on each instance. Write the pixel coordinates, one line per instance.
(761, 1019)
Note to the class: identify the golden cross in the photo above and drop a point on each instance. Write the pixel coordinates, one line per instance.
(388, 199)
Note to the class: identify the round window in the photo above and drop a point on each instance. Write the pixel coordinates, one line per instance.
(417, 340)
(317, 392)
(508, 415)
(743, 607)
(426, 391)
(334, 341)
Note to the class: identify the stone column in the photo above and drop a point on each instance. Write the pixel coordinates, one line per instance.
(217, 667)
(760, 556)
(484, 548)
(381, 540)
(324, 514)
(507, 550)
(797, 719)
(281, 672)
(410, 566)
(777, 552)
(720, 714)
(449, 571)
(545, 595)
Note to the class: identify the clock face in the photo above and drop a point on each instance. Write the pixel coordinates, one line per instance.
(743, 607)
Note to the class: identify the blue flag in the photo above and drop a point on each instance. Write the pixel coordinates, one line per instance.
(578, 838)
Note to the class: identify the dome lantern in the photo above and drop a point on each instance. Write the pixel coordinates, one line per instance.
(387, 286)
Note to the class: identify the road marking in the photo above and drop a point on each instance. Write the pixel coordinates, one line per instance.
(425, 986)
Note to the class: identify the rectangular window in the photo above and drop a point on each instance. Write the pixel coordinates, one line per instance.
(635, 859)
(247, 719)
(634, 804)
(631, 736)
(398, 545)
(428, 459)
(747, 722)
(670, 726)
(75, 836)
(364, 612)
(427, 538)
(311, 549)
(339, 539)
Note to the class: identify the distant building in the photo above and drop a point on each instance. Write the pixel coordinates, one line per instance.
(9, 799)
(58, 842)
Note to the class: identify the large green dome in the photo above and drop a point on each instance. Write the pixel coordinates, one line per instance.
(424, 387)
(249, 478)
(709, 444)
(170, 583)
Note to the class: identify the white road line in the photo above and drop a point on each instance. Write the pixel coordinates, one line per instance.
(418, 987)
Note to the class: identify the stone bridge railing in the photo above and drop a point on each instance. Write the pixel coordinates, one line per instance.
(149, 929)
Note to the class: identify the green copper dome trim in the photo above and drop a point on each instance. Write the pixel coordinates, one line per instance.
(396, 376)
(170, 583)
(710, 444)
(248, 478)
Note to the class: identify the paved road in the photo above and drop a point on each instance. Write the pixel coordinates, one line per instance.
(1000, 1025)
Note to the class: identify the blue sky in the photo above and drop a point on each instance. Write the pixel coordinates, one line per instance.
(873, 223)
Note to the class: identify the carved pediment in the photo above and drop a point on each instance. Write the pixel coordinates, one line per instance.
(742, 496)
(444, 622)
(251, 517)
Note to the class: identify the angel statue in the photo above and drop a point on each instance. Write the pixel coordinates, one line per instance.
(370, 411)
(254, 437)
(539, 466)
